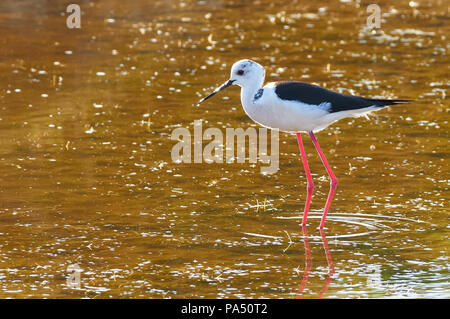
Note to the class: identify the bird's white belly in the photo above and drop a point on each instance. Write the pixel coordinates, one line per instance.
(288, 116)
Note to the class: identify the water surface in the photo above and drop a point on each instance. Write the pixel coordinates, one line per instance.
(87, 178)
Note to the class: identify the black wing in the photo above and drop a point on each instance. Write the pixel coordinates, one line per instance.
(313, 94)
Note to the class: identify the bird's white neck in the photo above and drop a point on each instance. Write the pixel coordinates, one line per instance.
(248, 93)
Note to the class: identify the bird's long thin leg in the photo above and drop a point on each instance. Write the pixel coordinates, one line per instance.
(310, 183)
(333, 183)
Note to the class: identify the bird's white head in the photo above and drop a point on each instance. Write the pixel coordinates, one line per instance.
(245, 73)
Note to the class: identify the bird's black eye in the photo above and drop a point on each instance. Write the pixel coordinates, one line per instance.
(240, 72)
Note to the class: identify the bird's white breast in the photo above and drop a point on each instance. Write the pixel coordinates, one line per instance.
(288, 116)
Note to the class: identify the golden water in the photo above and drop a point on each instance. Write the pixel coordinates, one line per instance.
(87, 178)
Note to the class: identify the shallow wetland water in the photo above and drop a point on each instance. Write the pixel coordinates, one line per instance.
(88, 183)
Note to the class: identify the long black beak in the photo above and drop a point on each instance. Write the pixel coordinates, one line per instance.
(220, 88)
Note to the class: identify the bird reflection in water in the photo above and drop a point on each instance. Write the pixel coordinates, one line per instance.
(308, 264)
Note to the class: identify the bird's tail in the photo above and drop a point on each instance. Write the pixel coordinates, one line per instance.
(383, 102)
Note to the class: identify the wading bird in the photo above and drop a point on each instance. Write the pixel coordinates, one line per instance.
(297, 107)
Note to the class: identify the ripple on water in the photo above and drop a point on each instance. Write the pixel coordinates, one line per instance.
(366, 224)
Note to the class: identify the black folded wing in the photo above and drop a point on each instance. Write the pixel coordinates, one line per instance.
(315, 95)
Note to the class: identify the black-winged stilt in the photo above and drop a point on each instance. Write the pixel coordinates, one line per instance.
(297, 107)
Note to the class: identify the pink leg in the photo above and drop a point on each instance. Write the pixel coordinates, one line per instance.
(334, 180)
(310, 183)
